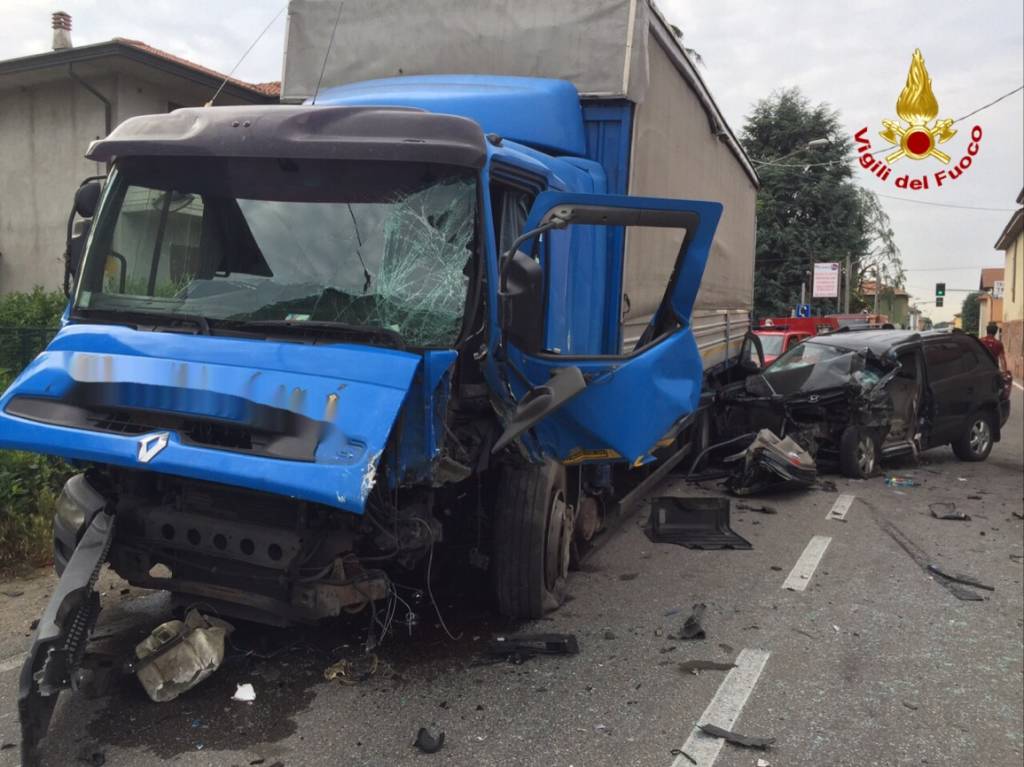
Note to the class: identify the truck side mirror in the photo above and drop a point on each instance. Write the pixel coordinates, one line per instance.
(86, 198)
(522, 303)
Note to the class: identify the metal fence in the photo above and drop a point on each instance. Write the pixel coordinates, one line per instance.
(18, 347)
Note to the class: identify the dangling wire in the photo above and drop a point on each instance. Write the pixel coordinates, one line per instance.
(327, 53)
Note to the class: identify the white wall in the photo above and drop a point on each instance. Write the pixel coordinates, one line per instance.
(44, 131)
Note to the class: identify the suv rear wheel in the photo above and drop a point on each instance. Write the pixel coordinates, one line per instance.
(858, 453)
(975, 441)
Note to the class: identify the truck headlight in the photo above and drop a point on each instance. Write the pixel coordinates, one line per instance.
(77, 504)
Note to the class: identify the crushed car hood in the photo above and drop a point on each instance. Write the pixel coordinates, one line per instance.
(294, 419)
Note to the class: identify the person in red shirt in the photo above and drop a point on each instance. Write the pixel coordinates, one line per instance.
(994, 345)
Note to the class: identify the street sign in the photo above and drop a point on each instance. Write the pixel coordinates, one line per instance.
(803, 310)
(826, 280)
(997, 289)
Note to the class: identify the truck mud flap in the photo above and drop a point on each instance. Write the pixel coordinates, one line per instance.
(61, 636)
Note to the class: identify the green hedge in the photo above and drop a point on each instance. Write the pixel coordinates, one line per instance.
(29, 482)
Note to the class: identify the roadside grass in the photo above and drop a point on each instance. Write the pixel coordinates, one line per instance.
(29, 482)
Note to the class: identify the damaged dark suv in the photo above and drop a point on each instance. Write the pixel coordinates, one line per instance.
(853, 397)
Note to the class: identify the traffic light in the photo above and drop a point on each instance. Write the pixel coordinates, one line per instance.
(938, 300)
(940, 290)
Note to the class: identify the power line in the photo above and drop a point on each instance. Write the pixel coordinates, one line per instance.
(247, 51)
(943, 204)
(989, 104)
(774, 164)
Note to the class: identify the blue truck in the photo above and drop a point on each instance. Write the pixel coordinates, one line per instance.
(309, 344)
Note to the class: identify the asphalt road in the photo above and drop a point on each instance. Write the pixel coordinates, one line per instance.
(873, 662)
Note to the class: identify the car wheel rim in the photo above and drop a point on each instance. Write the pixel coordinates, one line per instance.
(981, 436)
(866, 455)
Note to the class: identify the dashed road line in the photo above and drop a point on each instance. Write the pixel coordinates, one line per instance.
(804, 568)
(840, 507)
(1019, 386)
(724, 709)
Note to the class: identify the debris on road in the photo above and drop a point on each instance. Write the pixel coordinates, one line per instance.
(245, 693)
(947, 510)
(967, 580)
(749, 741)
(693, 666)
(896, 480)
(178, 655)
(763, 763)
(827, 486)
(353, 671)
(429, 740)
(680, 752)
(692, 628)
(1017, 514)
(770, 463)
(953, 585)
(760, 509)
(518, 648)
(696, 523)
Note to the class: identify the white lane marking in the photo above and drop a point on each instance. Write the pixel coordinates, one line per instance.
(808, 562)
(840, 507)
(724, 709)
(1019, 386)
(9, 664)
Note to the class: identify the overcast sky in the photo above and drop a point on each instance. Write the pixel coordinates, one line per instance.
(852, 55)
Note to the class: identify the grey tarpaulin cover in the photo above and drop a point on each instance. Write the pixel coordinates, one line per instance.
(681, 146)
(530, 38)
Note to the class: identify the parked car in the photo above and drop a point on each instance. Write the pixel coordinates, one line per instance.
(853, 397)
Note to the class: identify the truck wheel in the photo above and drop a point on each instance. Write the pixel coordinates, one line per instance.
(975, 441)
(532, 537)
(858, 453)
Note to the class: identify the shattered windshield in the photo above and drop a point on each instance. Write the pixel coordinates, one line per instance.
(814, 367)
(379, 246)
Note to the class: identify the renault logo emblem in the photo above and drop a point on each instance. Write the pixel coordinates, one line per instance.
(152, 444)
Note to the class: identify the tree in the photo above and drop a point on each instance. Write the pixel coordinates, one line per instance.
(970, 313)
(808, 208)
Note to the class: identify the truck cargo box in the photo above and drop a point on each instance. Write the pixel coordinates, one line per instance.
(649, 119)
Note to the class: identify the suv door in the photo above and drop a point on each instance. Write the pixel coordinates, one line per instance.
(620, 405)
(961, 379)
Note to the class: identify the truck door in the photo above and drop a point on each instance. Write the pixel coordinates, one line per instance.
(578, 407)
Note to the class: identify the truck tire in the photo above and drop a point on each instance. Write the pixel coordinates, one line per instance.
(858, 453)
(532, 537)
(976, 438)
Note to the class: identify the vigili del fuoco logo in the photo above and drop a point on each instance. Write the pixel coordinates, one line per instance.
(917, 136)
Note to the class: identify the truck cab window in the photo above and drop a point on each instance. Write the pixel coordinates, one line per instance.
(510, 207)
(372, 246)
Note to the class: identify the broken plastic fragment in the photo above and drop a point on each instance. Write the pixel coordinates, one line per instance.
(429, 740)
(749, 741)
(245, 693)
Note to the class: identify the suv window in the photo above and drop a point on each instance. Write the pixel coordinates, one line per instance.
(972, 354)
(944, 360)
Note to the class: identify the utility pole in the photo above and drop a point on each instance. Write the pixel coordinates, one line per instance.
(878, 286)
(846, 294)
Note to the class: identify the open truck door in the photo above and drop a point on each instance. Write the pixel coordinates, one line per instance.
(572, 396)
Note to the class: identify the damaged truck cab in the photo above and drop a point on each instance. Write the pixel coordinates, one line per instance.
(307, 345)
